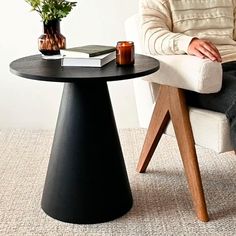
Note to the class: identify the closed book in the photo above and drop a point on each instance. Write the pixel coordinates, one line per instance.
(98, 61)
(87, 51)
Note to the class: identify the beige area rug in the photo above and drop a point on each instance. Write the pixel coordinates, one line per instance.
(162, 205)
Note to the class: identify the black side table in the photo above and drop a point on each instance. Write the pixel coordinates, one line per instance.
(86, 180)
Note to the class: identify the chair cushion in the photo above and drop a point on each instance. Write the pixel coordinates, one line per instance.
(210, 129)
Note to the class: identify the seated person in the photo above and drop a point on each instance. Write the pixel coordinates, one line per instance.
(201, 28)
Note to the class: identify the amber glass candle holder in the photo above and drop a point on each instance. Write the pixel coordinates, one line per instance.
(125, 53)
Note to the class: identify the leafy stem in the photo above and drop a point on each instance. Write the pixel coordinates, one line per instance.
(51, 9)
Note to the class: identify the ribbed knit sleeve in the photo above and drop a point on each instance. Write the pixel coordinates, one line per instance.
(156, 28)
(234, 30)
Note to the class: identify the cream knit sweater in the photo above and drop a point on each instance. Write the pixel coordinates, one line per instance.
(168, 26)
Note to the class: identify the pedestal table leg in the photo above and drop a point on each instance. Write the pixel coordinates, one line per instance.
(86, 180)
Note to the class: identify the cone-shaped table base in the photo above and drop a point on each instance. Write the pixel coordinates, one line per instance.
(86, 180)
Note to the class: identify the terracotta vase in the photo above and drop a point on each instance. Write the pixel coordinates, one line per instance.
(51, 41)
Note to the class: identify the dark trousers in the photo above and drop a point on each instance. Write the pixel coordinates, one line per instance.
(223, 101)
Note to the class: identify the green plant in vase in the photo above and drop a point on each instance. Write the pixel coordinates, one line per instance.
(51, 12)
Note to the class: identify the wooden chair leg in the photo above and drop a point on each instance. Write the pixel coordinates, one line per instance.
(171, 104)
(183, 131)
(158, 123)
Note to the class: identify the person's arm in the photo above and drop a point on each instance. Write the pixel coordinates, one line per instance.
(156, 27)
(158, 38)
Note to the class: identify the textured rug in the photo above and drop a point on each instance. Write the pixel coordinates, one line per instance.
(162, 204)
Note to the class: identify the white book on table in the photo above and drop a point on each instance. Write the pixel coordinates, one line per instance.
(97, 61)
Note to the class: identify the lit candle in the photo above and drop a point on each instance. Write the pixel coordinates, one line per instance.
(125, 53)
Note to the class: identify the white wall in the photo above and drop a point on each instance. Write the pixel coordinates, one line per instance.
(32, 104)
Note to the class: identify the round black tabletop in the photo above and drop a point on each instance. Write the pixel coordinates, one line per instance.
(37, 68)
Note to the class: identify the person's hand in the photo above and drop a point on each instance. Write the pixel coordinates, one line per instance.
(204, 49)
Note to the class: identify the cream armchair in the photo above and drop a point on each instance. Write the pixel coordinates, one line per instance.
(161, 107)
